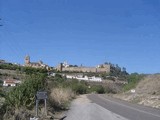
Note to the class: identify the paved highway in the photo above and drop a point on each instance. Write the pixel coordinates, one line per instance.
(125, 109)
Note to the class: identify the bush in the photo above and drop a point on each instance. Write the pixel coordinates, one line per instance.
(113, 88)
(59, 78)
(77, 86)
(60, 97)
(97, 88)
(2, 107)
(9, 66)
(24, 94)
(133, 80)
(80, 89)
(31, 70)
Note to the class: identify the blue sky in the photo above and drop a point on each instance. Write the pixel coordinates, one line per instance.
(88, 32)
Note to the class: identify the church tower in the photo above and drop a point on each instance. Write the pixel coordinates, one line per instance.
(27, 59)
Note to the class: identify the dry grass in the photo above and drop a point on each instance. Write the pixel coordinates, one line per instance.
(147, 92)
(150, 85)
(61, 96)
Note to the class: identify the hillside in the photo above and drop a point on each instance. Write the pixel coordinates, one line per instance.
(149, 85)
(15, 74)
(147, 92)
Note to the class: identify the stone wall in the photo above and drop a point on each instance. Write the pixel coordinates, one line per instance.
(85, 69)
(80, 69)
(106, 69)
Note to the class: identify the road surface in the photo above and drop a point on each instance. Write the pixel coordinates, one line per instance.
(102, 107)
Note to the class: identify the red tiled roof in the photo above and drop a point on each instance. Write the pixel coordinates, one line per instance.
(10, 81)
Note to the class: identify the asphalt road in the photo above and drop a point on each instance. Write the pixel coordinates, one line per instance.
(125, 109)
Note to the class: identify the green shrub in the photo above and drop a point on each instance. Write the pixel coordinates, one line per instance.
(59, 78)
(9, 66)
(24, 94)
(97, 88)
(133, 80)
(31, 70)
(80, 88)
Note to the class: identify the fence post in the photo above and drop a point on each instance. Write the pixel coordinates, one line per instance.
(45, 107)
(37, 101)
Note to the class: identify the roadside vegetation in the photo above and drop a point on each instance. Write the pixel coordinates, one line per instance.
(78, 87)
(61, 97)
(133, 79)
(24, 94)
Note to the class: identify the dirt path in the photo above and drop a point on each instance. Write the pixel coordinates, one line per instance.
(83, 109)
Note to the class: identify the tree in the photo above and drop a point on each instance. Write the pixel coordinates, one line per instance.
(123, 69)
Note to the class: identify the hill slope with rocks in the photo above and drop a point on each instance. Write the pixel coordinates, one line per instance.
(147, 92)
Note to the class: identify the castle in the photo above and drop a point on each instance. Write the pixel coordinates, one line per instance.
(103, 68)
(39, 64)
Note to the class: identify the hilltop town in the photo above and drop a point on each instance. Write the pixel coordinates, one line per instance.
(97, 73)
(67, 67)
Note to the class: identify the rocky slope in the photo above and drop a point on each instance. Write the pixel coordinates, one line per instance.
(147, 92)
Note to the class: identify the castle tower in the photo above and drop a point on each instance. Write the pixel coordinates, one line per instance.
(27, 60)
(60, 67)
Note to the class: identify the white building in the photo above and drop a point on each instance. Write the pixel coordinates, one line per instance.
(71, 77)
(10, 82)
(65, 64)
(86, 78)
